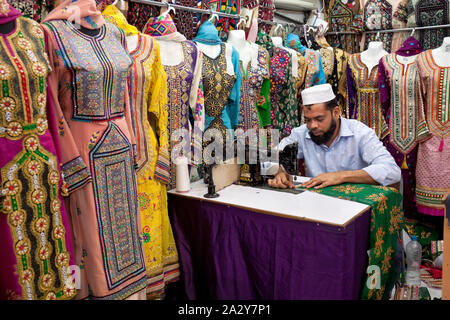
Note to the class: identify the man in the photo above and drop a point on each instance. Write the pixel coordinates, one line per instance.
(336, 150)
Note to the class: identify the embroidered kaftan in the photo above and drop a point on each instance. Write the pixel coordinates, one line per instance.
(433, 158)
(92, 73)
(399, 86)
(36, 248)
(363, 101)
(424, 13)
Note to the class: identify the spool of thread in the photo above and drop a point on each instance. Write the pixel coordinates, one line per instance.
(182, 182)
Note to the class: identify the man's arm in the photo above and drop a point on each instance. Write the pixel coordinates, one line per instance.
(381, 168)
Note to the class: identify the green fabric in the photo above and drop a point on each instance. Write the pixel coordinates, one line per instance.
(386, 220)
(424, 235)
(263, 105)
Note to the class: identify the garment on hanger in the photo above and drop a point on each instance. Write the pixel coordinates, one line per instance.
(33, 9)
(186, 21)
(383, 15)
(184, 83)
(148, 96)
(345, 16)
(363, 101)
(254, 111)
(266, 12)
(35, 230)
(139, 14)
(92, 74)
(433, 157)
(423, 13)
(224, 24)
(402, 105)
(314, 72)
(113, 15)
(221, 87)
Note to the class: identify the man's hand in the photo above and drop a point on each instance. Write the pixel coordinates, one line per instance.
(324, 180)
(282, 180)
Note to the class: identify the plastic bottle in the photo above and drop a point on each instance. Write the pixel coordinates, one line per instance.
(413, 260)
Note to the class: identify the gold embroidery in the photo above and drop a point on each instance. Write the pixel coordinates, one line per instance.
(386, 263)
(396, 219)
(381, 199)
(347, 189)
(379, 243)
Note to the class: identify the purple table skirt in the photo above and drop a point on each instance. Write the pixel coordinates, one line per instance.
(229, 253)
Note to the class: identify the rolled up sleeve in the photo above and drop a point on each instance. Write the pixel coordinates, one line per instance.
(381, 165)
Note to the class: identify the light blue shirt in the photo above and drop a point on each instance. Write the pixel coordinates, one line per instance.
(356, 147)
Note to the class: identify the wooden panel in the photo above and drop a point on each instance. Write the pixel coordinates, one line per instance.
(446, 260)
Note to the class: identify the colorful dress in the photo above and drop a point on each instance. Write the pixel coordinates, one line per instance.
(148, 92)
(382, 15)
(344, 16)
(284, 105)
(224, 24)
(36, 241)
(422, 13)
(33, 9)
(221, 95)
(266, 12)
(399, 86)
(363, 101)
(433, 171)
(92, 73)
(254, 111)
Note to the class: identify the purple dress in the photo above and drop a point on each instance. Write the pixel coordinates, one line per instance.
(402, 107)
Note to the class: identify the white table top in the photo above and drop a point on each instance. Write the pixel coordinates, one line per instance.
(307, 205)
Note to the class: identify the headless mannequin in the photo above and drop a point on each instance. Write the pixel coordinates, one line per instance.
(373, 54)
(237, 39)
(8, 27)
(441, 55)
(132, 42)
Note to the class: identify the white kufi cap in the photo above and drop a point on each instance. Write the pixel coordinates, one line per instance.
(317, 94)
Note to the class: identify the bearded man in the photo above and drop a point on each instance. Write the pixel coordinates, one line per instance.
(336, 150)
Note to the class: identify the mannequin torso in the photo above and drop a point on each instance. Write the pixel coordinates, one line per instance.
(211, 51)
(373, 54)
(171, 52)
(237, 39)
(441, 55)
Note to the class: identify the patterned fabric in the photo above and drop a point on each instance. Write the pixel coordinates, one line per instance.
(95, 84)
(386, 221)
(160, 26)
(179, 79)
(382, 15)
(338, 76)
(148, 91)
(363, 101)
(429, 13)
(105, 218)
(266, 12)
(139, 13)
(399, 86)
(217, 86)
(116, 17)
(33, 9)
(35, 236)
(345, 16)
(284, 111)
(433, 172)
(263, 39)
(76, 174)
(224, 25)
(251, 99)
(186, 21)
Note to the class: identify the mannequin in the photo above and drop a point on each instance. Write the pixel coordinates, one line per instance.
(278, 42)
(132, 42)
(237, 39)
(373, 54)
(441, 55)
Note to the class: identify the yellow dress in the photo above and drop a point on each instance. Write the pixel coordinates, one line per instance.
(148, 91)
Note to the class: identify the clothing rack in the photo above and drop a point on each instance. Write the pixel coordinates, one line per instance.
(191, 9)
(389, 30)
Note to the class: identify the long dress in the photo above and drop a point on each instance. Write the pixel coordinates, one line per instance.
(399, 85)
(253, 111)
(36, 248)
(92, 73)
(148, 93)
(363, 101)
(433, 157)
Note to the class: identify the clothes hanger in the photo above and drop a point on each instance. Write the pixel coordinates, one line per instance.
(276, 28)
(377, 37)
(241, 19)
(412, 32)
(115, 2)
(213, 15)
